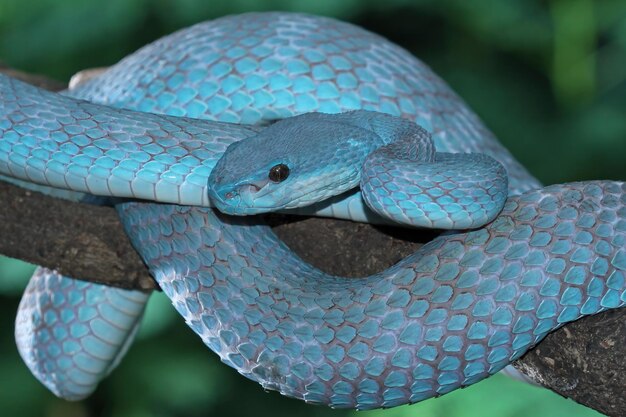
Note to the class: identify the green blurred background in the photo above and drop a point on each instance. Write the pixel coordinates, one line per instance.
(547, 76)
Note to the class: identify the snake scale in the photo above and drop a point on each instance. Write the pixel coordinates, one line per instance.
(458, 310)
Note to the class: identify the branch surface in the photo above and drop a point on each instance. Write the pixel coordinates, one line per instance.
(583, 360)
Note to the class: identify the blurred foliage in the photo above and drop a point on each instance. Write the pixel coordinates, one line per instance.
(547, 76)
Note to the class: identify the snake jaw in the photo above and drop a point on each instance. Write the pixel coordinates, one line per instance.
(239, 199)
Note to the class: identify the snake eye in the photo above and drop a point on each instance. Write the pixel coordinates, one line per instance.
(278, 173)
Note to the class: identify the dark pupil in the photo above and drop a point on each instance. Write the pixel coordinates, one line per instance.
(279, 173)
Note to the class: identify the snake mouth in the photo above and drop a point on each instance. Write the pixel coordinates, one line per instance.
(240, 198)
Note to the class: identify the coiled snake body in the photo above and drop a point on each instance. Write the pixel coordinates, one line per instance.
(456, 311)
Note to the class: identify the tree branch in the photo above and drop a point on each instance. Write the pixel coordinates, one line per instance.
(78, 240)
(582, 361)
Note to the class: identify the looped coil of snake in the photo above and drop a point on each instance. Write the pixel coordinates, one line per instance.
(192, 135)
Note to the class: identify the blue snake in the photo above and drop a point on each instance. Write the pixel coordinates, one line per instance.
(208, 116)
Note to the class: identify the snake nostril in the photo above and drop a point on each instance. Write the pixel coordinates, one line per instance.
(229, 195)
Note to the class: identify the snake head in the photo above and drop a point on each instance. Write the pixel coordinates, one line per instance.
(292, 163)
(235, 188)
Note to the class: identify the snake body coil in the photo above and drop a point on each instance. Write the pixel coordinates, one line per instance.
(458, 310)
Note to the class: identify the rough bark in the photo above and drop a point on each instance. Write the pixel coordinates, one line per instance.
(78, 240)
(582, 361)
